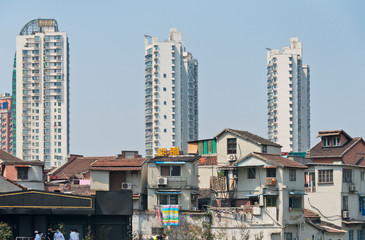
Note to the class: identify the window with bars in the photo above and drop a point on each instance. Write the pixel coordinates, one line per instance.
(325, 176)
(231, 145)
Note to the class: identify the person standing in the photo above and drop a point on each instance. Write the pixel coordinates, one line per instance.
(38, 235)
(58, 235)
(49, 235)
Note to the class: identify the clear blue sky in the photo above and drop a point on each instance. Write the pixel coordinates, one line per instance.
(228, 38)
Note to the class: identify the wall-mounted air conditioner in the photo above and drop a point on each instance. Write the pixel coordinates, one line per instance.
(345, 214)
(126, 186)
(162, 181)
(270, 181)
(231, 157)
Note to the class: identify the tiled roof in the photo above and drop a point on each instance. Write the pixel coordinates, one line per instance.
(332, 133)
(319, 151)
(325, 226)
(116, 168)
(207, 160)
(77, 165)
(310, 214)
(7, 157)
(182, 158)
(80, 190)
(274, 159)
(253, 137)
(127, 162)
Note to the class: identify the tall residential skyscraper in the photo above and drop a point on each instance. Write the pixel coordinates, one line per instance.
(288, 98)
(41, 93)
(6, 118)
(171, 85)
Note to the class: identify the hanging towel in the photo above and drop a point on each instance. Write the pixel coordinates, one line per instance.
(170, 215)
(159, 214)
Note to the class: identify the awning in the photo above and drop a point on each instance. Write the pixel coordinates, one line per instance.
(253, 195)
(168, 192)
(361, 195)
(297, 193)
(179, 163)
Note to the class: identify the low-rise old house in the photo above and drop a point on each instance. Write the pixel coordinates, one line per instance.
(233, 145)
(270, 185)
(74, 175)
(122, 173)
(173, 180)
(26, 173)
(338, 146)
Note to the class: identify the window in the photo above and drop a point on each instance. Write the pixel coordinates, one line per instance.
(345, 203)
(164, 75)
(351, 234)
(231, 145)
(165, 130)
(172, 199)
(251, 173)
(362, 176)
(164, 116)
(326, 142)
(325, 176)
(271, 201)
(22, 173)
(264, 148)
(336, 141)
(288, 236)
(164, 89)
(270, 172)
(295, 202)
(292, 174)
(164, 103)
(170, 171)
(347, 175)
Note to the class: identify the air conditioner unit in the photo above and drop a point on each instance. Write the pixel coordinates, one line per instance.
(345, 214)
(162, 181)
(126, 186)
(352, 188)
(232, 157)
(270, 181)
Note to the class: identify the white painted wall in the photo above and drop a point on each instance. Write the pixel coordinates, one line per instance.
(99, 180)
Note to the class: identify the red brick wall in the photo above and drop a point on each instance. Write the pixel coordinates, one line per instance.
(11, 172)
(355, 153)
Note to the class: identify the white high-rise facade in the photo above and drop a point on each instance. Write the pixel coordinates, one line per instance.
(171, 85)
(41, 89)
(288, 98)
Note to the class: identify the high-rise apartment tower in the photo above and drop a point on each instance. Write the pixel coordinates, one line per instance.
(171, 86)
(41, 93)
(288, 98)
(6, 119)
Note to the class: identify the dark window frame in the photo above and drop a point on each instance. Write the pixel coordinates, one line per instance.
(271, 201)
(325, 176)
(292, 174)
(22, 173)
(251, 173)
(295, 202)
(173, 171)
(271, 172)
(347, 175)
(231, 145)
